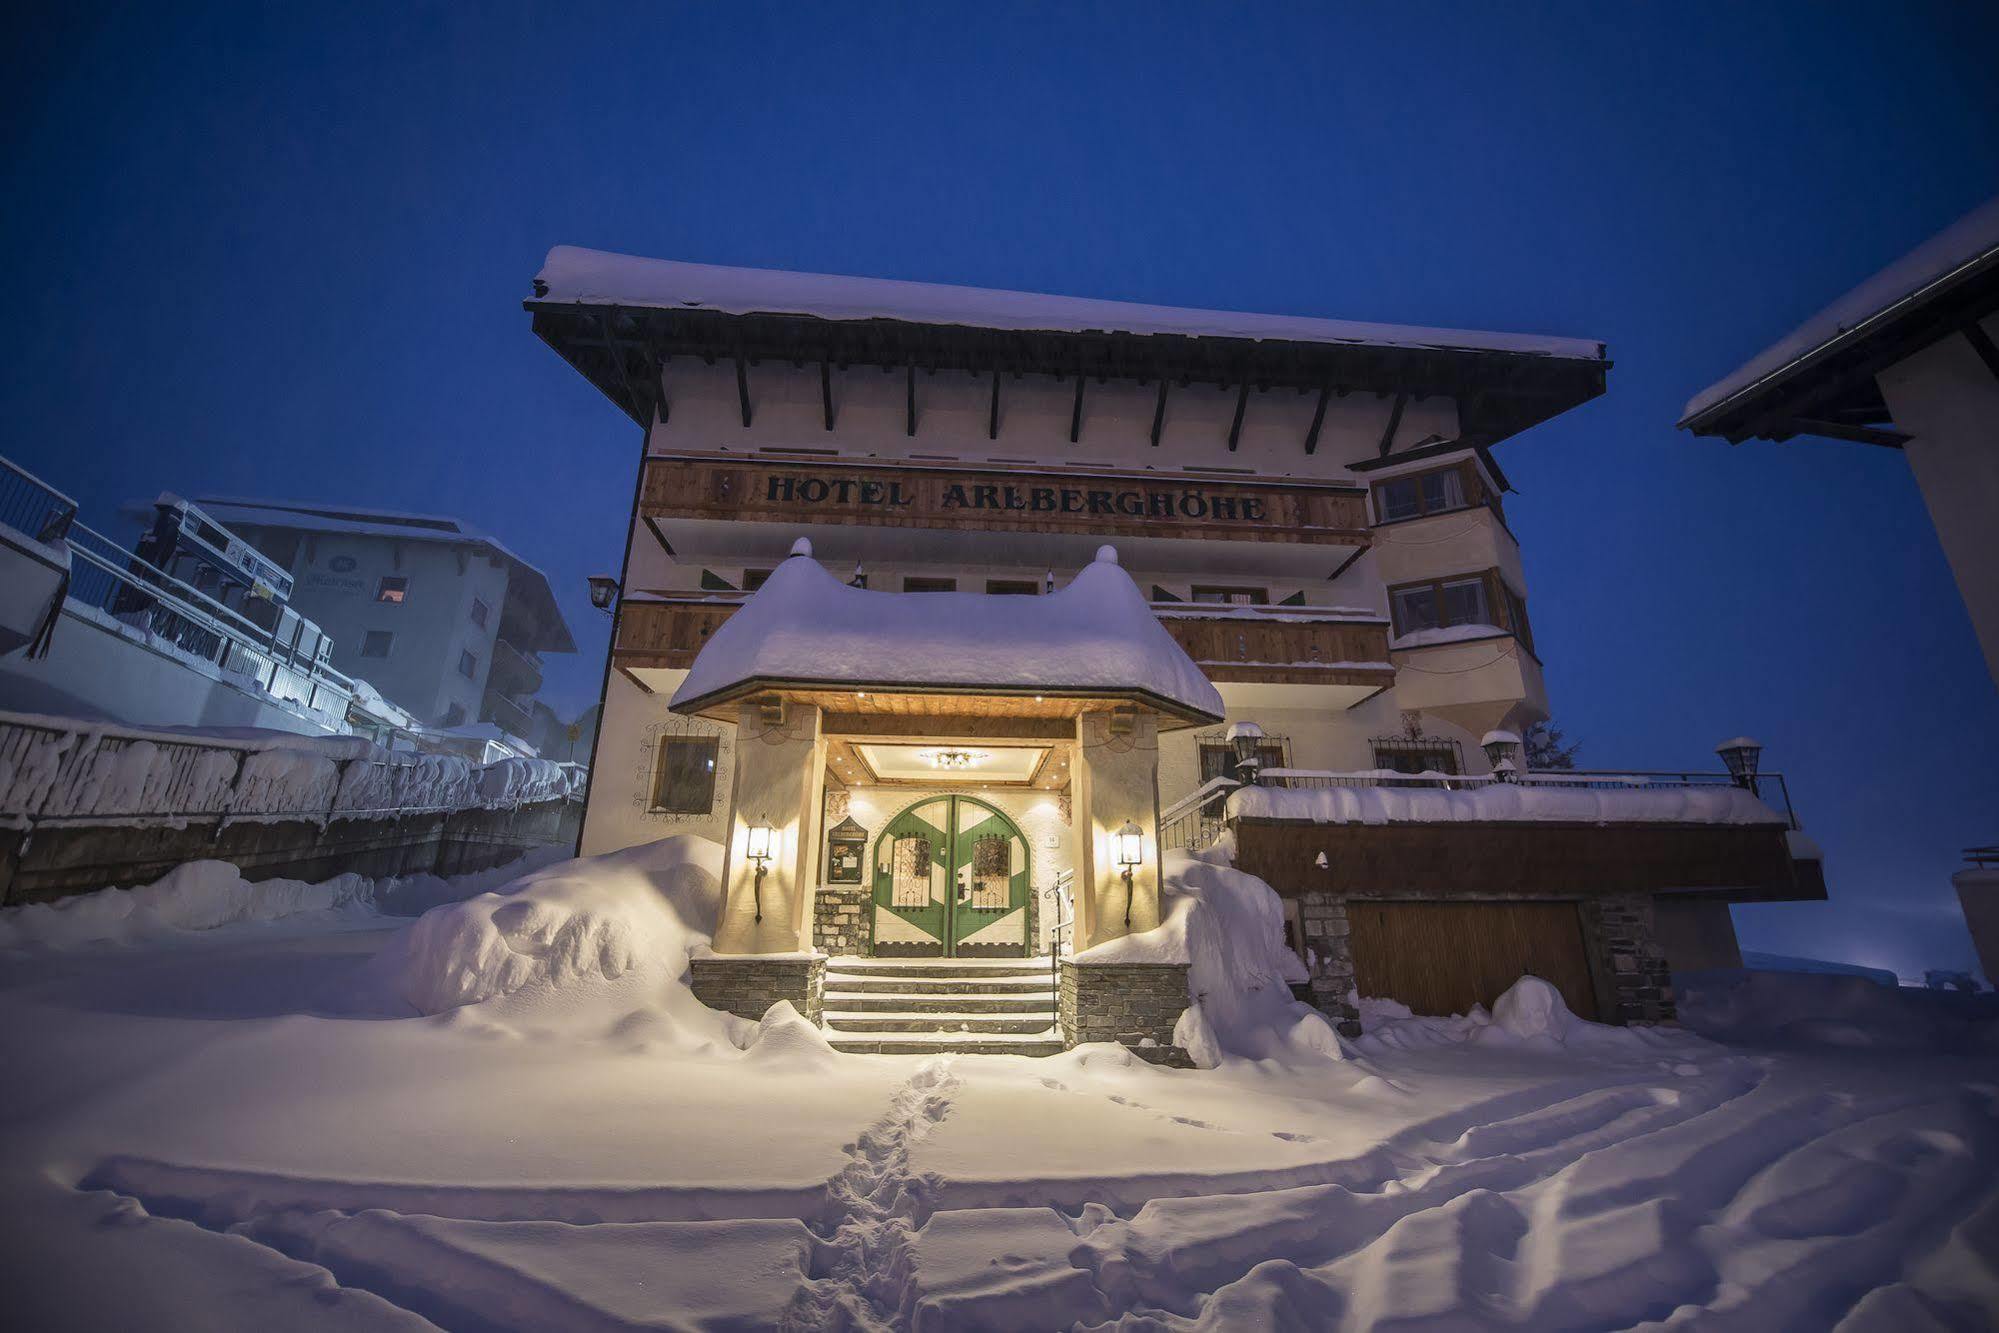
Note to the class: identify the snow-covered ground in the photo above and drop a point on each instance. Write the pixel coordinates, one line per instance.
(510, 1118)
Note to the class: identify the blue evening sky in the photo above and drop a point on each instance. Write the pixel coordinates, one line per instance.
(280, 250)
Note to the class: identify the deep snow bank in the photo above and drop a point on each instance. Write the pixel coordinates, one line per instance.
(1828, 1009)
(206, 895)
(1229, 928)
(1529, 1016)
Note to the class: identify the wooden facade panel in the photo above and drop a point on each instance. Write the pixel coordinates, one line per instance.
(670, 633)
(1459, 860)
(1442, 958)
(906, 496)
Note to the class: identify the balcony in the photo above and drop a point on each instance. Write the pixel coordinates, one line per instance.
(1272, 645)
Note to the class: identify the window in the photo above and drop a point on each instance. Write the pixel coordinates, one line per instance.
(1440, 605)
(1425, 493)
(468, 665)
(929, 585)
(376, 643)
(1417, 754)
(454, 716)
(1218, 761)
(479, 612)
(684, 781)
(1516, 614)
(754, 579)
(1013, 587)
(393, 588)
(1231, 596)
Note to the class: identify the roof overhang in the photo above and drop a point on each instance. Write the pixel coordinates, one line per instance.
(623, 350)
(900, 700)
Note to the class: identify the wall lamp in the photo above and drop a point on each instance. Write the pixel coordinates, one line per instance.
(1742, 756)
(1130, 852)
(757, 847)
(603, 591)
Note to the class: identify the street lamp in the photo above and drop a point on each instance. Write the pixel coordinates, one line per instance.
(603, 591)
(1741, 755)
(1501, 747)
(757, 847)
(1244, 737)
(1130, 852)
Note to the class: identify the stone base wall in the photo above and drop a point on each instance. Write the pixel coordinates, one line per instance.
(1323, 919)
(1128, 1003)
(746, 984)
(843, 919)
(1634, 980)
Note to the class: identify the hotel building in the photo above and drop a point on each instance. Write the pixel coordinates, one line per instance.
(947, 611)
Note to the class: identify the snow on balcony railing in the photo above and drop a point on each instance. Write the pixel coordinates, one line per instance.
(61, 771)
(1770, 789)
(1373, 798)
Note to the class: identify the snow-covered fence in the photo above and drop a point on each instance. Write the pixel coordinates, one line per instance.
(1769, 788)
(60, 771)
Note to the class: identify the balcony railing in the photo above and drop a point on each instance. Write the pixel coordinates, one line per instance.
(30, 505)
(1278, 644)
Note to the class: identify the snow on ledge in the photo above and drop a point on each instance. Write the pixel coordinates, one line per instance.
(1504, 803)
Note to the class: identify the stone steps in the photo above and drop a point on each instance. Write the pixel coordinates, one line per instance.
(970, 1006)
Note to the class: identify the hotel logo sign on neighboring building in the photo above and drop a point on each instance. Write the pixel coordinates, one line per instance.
(1132, 502)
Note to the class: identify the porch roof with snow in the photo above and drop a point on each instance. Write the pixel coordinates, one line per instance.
(805, 631)
(618, 318)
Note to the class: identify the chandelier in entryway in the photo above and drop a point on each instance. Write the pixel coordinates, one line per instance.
(954, 759)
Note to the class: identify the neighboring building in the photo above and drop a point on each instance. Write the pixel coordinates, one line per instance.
(1907, 360)
(874, 637)
(441, 618)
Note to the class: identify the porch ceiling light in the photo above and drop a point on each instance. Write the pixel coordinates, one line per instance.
(1742, 756)
(955, 760)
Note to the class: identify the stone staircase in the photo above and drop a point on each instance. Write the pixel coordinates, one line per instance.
(928, 1006)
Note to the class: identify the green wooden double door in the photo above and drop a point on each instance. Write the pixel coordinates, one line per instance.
(951, 881)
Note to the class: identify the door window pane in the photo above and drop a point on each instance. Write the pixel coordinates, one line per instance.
(992, 871)
(684, 782)
(910, 873)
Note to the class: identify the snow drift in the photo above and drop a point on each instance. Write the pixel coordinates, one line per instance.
(1529, 1016)
(1829, 1009)
(1229, 928)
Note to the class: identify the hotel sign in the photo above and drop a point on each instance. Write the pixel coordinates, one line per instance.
(1100, 500)
(1022, 499)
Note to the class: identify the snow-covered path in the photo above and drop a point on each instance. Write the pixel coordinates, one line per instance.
(213, 1134)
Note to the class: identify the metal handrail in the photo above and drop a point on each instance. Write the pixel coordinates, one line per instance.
(1983, 856)
(23, 494)
(1060, 895)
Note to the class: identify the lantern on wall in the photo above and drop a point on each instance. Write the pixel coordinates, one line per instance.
(1501, 747)
(1246, 737)
(756, 846)
(846, 849)
(1130, 842)
(603, 591)
(1742, 756)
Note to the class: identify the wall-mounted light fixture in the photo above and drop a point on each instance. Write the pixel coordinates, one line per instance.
(1246, 737)
(603, 591)
(756, 846)
(1501, 747)
(1130, 852)
(1742, 756)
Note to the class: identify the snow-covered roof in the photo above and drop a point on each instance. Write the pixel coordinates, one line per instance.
(1968, 246)
(572, 274)
(525, 580)
(806, 628)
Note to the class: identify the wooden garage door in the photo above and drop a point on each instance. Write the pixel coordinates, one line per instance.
(1442, 958)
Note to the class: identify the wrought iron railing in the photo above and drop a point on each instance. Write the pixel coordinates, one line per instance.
(1983, 856)
(30, 505)
(1062, 921)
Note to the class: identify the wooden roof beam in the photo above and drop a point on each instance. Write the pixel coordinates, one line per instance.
(1159, 409)
(1318, 420)
(1241, 406)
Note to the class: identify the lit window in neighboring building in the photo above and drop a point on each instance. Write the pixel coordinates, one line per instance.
(393, 588)
(1013, 587)
(468, 665)
(376, 643)
(683, 782)
(479, 613)
(1231, 596)
(929, 585)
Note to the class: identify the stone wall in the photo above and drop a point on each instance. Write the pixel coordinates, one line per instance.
(57, 859)
(1634, 981)
(1129, 1003)
(747, 985)
(1322, 919)
(843, 919)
